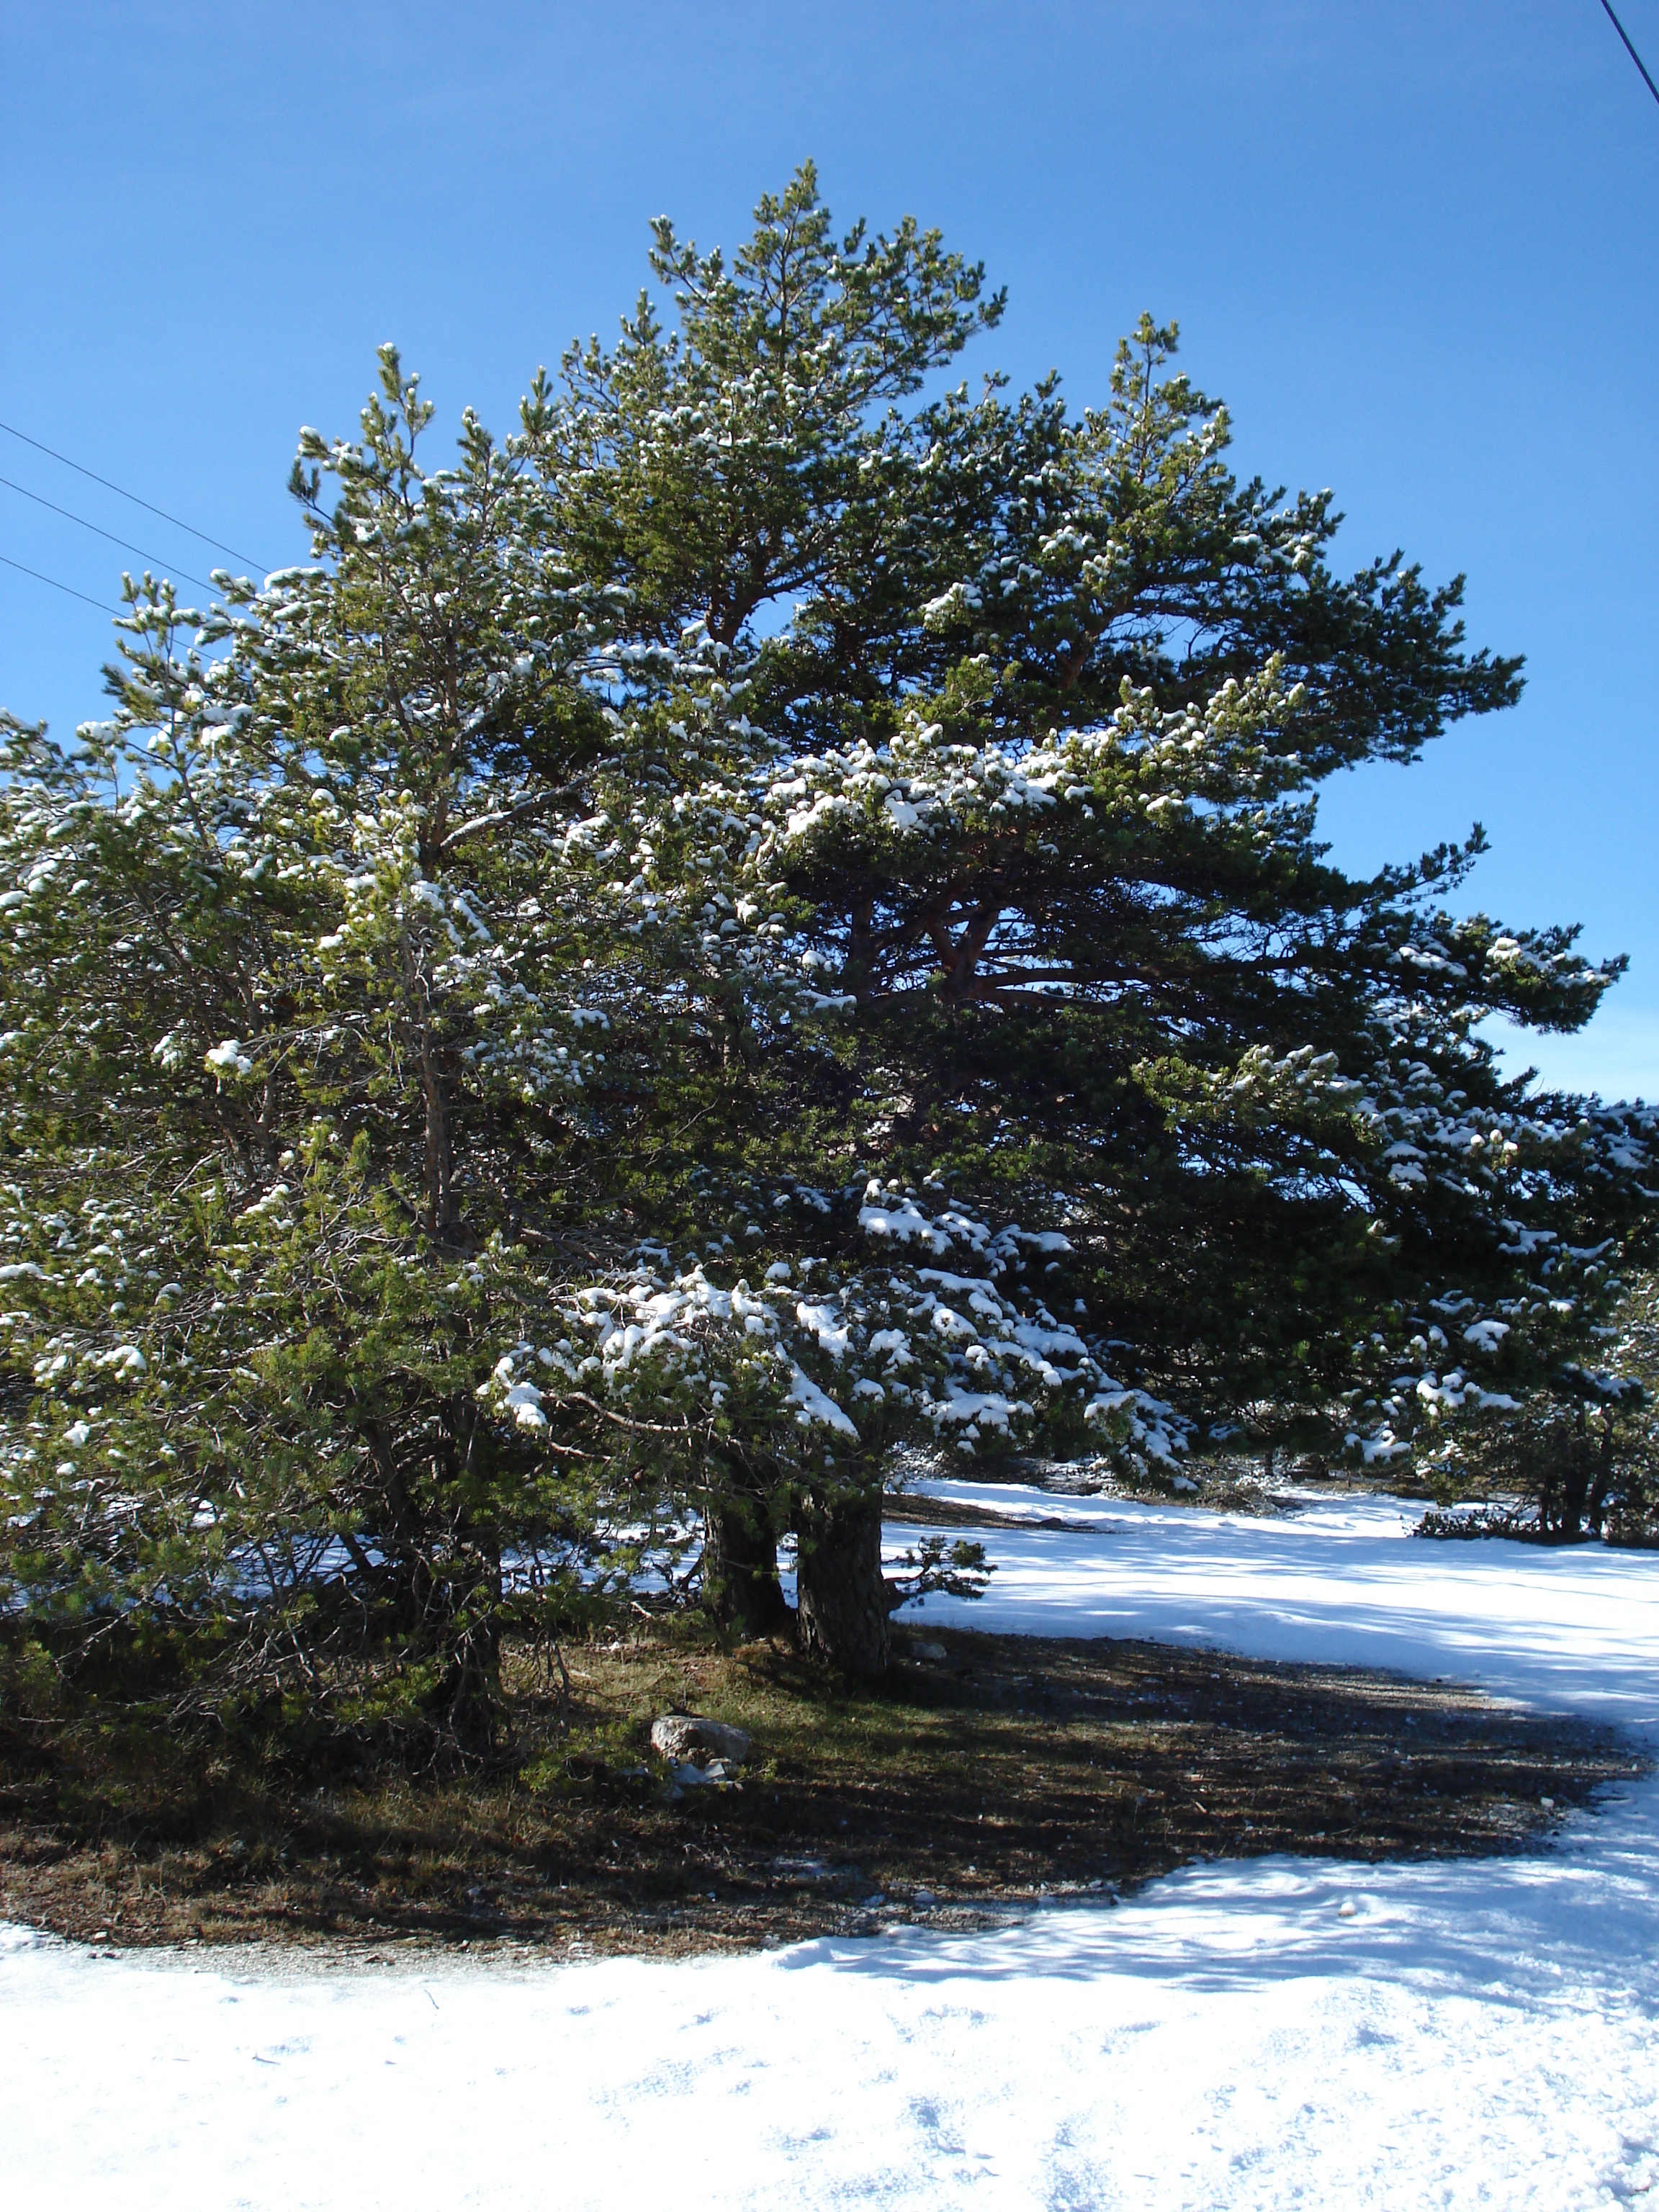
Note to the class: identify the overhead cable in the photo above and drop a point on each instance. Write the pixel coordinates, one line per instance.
(1630, 50)
(125, 542)
(101, 605)
(52, 453)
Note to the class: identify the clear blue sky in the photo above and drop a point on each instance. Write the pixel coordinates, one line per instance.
(1413, 243)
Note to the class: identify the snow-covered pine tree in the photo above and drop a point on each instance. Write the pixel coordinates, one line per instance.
(772, 914)
(1033, 759)
(302, 998)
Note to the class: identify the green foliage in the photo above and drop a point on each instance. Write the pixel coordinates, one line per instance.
(769, 916)
(747, 454)
(1580, 1458)
(280, 1088)
(952, 1564)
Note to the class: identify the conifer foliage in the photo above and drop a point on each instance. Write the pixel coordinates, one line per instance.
(775, 914)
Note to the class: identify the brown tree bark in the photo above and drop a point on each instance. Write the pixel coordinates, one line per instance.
(841, 1611)
(740, 1586)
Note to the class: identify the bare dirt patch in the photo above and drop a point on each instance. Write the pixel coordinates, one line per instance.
(1011, 1769)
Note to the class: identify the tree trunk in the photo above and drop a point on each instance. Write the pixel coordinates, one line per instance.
(1601, 1487)
(740, 1586)
(467, 1701)
(1548, 1490)
(842, 1609)
(1576, 1481)
(1575, 1496)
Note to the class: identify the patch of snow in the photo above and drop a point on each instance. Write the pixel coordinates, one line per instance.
(816, 1406)
(1261, 2033)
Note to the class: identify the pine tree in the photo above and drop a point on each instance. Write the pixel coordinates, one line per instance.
(769, 916)
(288, 1031)
(1037, 757)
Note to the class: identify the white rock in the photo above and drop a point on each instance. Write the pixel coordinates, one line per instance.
(682, 1736)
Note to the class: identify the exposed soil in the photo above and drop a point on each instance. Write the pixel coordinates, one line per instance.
(1012, 1769)
(917, 1507)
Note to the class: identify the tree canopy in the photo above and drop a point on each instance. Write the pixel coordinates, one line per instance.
(776, 913)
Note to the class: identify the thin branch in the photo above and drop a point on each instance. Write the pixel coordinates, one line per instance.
(621, 1421)
(481, 822)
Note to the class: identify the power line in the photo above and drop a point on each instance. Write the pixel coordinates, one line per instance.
(126, 543)
(51, 452)
(101, 604)
(1630, 50)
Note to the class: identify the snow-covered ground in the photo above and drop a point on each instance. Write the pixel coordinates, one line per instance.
(1265, 2034)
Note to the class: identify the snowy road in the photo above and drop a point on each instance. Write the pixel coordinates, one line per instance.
(1265, 2034)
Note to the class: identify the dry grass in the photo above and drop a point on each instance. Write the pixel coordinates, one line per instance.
(1015, 1766)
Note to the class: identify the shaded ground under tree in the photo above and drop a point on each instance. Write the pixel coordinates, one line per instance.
(1011, 1768)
